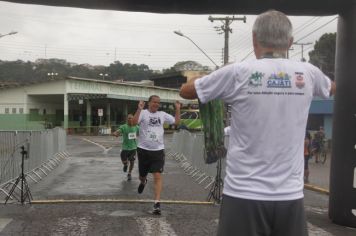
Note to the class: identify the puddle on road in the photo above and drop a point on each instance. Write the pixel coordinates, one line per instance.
(150, 226)
(123, 213)
(119, 213)
(74, 225)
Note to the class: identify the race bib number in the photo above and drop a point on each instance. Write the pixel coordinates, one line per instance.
(152, 136)
(132, 135)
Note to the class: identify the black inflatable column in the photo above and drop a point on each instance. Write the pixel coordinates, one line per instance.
(342, 204)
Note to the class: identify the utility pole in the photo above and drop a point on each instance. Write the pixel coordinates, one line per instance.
(302, 44)
(225, 28)
(289, 49)
(45, 51)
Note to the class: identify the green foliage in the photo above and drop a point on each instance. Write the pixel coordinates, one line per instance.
(323, 55)
(21, 71)
(212, 116)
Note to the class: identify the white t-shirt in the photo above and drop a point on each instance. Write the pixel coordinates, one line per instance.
(151, 129)
(270, 100)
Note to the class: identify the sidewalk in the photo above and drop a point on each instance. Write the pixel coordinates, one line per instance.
(320, 173)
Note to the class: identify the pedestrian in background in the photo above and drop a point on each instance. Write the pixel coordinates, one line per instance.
(307, 152)
(129, 133)
(270, 98)
(150, 149)
(317, 143)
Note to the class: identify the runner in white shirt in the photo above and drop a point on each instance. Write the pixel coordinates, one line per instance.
(270, 99)
(150, 147)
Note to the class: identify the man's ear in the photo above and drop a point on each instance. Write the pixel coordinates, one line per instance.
(254, 40)
(290, 42)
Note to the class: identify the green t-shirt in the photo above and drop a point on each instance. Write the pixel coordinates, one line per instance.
(129, 136)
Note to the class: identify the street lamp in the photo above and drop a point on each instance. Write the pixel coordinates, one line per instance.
(11, 33)
(182, 35)
(103, 75)
(52, 74)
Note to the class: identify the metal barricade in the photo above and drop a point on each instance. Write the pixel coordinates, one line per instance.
(189, 150)
(44, 150)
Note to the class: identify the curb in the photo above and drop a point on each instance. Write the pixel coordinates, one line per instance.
(61, 201)
(316, 189)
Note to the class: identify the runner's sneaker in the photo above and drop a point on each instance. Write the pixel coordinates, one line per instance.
(141, 186)
(128, 176)
(125, 168)
(156, 208)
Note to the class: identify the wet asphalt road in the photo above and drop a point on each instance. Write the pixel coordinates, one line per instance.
(94, 172)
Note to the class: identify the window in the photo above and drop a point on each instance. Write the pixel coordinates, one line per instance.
(13, 110)
(7, 110)
(44, 112)
(21, 110)
(34, 114)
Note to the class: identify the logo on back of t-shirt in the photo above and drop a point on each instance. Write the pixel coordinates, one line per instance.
(299, 80)
(255, 79)
(154, 121)
(280, 80)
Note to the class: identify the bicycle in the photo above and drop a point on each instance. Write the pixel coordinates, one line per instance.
(322, 152)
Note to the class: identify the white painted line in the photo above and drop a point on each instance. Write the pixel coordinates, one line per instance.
(316, 231)
(71, 224)
(153, 226)
(106, 150)
(316, 210)
(355, 177)
(4, 222)
(97, 144)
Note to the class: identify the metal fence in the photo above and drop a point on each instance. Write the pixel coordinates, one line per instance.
(45, 150)
(188, 149)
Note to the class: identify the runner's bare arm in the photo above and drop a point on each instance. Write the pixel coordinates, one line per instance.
(333, 88)
(188, 91)
(177, 115)
(140, 106)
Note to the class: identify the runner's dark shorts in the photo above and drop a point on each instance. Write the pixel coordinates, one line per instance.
(128, 155)
(150, 161)
(261, 218)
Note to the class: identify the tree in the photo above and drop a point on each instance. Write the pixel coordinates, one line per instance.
(323, 55)
(20, 71)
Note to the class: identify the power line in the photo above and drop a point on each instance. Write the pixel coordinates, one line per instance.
(247, 55)
(317, 29)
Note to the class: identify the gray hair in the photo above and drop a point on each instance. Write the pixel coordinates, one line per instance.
(273, 29)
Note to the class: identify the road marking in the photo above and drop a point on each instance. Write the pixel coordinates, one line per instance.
(152, 226)
(71, 225)
(97, 144)
(312, 229)
(316, 231)
(353, 212)
(355, 178)
(316, 210)
(4, 222)
(106, 150)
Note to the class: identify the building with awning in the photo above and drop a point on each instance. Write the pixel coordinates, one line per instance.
(76, 104)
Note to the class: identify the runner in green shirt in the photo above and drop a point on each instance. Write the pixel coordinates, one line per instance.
(129, 133)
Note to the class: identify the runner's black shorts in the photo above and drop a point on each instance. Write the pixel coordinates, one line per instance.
(150, 161)
(128, 155)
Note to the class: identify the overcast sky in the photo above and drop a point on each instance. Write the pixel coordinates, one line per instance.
(100, 37)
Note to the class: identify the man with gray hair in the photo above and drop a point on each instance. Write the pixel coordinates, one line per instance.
(270, 98)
